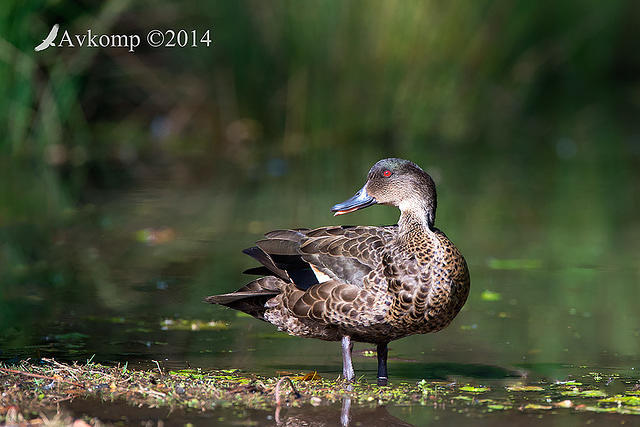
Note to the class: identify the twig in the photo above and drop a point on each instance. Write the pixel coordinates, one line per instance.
(73, 371)
(61, 365)
(151, 391)
(29, 374)
(64, 399)
(159, 370)
(277, 390)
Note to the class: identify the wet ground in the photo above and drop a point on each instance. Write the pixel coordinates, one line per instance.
(99, 394)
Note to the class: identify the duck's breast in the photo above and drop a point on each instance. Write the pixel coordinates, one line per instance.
(429, 287)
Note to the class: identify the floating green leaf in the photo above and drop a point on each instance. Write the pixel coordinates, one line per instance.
(622, 400)
(536, 406)
(472, 389)
(488, 295)
(584, 393)
(525, 388)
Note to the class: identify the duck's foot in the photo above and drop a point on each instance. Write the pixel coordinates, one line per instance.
(382, 351)
(347, 365)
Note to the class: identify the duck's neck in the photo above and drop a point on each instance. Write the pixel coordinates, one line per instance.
(416, 217)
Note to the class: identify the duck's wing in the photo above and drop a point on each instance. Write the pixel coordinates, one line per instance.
(343, 254)
(347, 254)
(330, 302)
(313, 274)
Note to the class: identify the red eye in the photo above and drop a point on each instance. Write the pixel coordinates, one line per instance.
(386, 173)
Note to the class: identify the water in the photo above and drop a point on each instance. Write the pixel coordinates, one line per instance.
(333, 416)
(547, 302)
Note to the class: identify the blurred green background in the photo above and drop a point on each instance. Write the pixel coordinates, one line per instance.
(129, 182)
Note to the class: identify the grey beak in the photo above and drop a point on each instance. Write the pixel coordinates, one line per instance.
(359, 201)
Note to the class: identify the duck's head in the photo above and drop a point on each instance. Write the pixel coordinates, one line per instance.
(396, 182)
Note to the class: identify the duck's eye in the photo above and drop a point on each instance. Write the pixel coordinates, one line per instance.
(387, 173)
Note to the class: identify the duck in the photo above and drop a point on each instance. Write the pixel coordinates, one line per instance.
(368, 284)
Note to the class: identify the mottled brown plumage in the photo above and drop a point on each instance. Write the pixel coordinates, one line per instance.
(364, 283)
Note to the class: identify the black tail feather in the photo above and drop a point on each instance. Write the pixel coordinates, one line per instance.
(258, 271)
(263, 258)
(227, 299)
(251, 298)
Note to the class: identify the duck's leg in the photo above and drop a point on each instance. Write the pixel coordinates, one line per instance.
(347, 366)
(382, 363)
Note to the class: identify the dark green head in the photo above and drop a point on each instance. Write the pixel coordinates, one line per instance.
(395, 182)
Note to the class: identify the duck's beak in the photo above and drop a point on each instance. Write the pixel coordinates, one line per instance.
(360, 200)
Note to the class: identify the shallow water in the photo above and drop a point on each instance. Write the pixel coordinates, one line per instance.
(334, 415)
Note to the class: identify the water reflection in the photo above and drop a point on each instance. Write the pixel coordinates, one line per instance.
(331, 416)
(345, 415)
(119, 412)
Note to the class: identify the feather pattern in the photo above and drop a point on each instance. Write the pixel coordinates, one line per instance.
(378, 283)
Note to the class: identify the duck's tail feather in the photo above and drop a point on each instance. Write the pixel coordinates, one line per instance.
(263, 258)
(229, 299)
(258, 271)
(251, 298)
